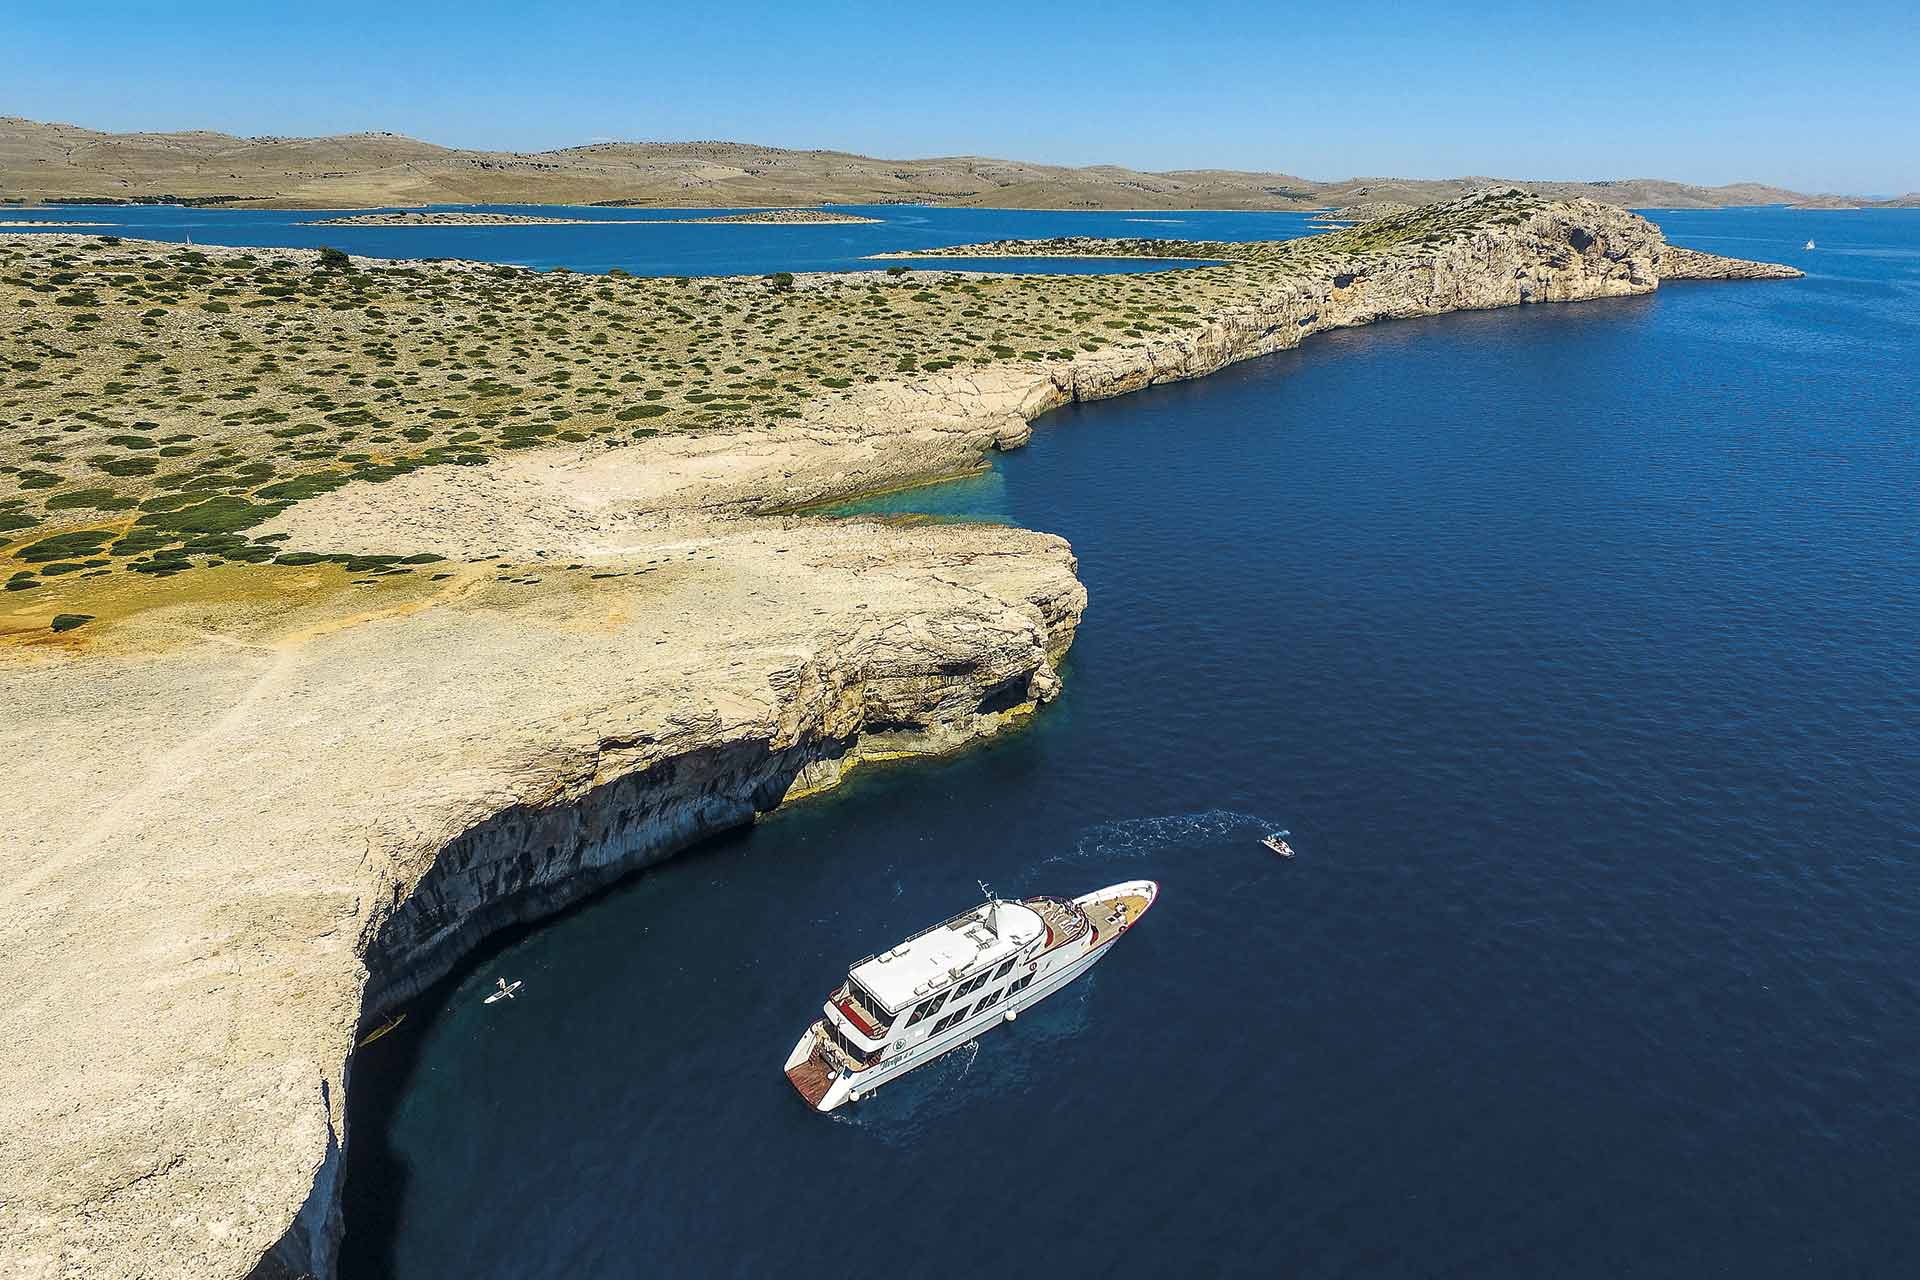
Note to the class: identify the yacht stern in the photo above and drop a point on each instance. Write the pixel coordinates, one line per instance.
(814, 1076)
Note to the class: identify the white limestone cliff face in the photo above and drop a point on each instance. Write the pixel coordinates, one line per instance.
(252, 839)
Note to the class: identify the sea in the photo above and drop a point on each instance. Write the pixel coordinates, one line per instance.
(660, 242)
(1578, 648)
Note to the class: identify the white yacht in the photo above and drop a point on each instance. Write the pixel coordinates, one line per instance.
(940, 988)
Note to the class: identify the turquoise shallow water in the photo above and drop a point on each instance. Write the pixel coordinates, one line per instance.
(1576, 647)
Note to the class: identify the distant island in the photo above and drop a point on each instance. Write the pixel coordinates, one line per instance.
(66, 163)
(478, 218)
(453, 218)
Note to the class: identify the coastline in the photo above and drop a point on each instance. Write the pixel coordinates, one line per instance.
(448, 858)
(934, 255)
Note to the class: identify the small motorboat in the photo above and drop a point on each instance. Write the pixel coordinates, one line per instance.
(1811, 245)
(1278, 843)
(505, 991)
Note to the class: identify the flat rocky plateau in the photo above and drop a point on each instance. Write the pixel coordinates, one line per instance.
(258, 804)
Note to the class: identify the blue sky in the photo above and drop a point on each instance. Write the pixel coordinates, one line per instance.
(1818, 96)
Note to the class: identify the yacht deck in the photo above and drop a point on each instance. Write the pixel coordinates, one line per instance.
(1064, 920)
(812, 1078)
(1114, 916)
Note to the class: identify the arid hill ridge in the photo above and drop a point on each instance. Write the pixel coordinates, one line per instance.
(43, 161)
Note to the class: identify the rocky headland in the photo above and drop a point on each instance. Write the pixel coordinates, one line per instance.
(339, 708)
(1363, 211)
(1060, 247)
(1691, 264)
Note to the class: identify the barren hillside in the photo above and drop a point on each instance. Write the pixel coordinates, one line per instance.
(59, 161)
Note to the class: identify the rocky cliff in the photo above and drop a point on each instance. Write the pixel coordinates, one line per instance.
(251, 837)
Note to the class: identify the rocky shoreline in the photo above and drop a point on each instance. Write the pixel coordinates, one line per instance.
(786, 217)
(1058, 247)
(1363, 211)
(454, 218)
(390, 788)
(1691, 264)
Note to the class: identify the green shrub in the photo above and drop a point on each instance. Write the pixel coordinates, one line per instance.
(333, 258)
(95, 499)
(308, 486)
(123, 467)
(65, 546)
(221, 514)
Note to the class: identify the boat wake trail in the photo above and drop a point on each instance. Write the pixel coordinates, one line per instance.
(1141, 837)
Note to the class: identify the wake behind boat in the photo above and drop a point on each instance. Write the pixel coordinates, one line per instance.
(942, 987)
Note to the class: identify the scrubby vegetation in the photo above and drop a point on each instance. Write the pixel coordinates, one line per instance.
(158, 404)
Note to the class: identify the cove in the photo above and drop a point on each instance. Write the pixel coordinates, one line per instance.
(1575, 646)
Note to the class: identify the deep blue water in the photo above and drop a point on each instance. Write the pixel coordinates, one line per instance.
(1576, 645)
(635, 240)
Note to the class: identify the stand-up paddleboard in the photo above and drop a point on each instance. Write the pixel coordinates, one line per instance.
(504, 993)
(381, 1030)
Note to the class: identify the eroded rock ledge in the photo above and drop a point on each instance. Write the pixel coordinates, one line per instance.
(276, 831)
(1691, 264)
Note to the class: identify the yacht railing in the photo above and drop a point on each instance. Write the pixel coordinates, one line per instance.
(862, 1013)
(833, 1049)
